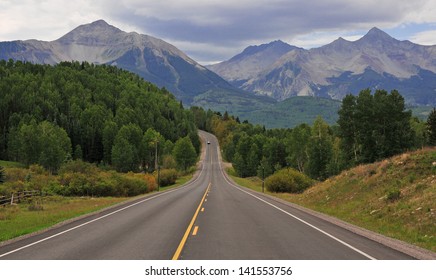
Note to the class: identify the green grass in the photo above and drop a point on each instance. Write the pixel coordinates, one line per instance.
(395, 197)
(11, 164)
(17, 220)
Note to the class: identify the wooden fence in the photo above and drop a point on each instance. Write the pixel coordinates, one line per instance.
(19, 197)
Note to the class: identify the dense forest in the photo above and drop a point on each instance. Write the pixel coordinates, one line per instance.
(98, 113)
(371, 126)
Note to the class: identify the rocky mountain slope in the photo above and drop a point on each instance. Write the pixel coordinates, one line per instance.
(100, 43)
(251, 62)
(375, 61)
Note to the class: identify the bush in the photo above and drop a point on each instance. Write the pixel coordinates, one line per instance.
(168, 177)
(16, 174)
(78, 166)
(8, 188)
(78, 178)
(150, 180)
(393, 195)
(129, 185)
(37, 169)
(288, 180)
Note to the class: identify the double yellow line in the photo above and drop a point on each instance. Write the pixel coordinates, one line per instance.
(188, 230)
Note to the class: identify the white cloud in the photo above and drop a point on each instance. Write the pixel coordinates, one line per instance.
(425, 38)
(44, 20)
(424, 13)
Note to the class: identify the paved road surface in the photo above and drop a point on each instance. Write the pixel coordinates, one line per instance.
(209, 218)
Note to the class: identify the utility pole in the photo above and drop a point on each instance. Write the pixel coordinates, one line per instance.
(156, 161)
(156, 165)
(263, 179)
(158, 178)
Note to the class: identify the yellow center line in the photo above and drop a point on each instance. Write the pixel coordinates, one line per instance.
(188, 230)
(194, 233)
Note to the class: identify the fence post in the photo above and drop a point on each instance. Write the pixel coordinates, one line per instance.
(12, 199)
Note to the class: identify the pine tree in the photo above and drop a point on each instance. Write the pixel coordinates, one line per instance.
(347, 128)
(78, 153)
(364, 122)
(431, 126)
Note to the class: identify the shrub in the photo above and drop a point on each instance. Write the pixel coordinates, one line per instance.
(288, 180)
(8, 188)
(168, 177)
(393, 195)
(16, 174)
(78, 166)
(128, 185)
(37, 169)
(78, 178)
(150, 180)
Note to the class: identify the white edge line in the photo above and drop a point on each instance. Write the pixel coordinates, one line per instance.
(295, 217)
(102, 217)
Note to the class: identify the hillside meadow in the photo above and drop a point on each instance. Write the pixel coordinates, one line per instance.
(394, 197)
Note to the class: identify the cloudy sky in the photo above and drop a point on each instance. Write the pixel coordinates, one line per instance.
(215, 30)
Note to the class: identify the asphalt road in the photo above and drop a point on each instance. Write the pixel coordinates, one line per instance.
(209, 218)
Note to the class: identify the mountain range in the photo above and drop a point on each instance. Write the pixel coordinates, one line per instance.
(252, 84)
(375, 61)
(100, 43)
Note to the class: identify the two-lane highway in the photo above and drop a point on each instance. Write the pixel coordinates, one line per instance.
(209, 218)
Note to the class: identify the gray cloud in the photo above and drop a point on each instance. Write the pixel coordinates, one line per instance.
(234, 24)
(213, 30)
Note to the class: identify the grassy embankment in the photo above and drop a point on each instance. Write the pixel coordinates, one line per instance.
(23, 218)
(395, 197)
(41, 213)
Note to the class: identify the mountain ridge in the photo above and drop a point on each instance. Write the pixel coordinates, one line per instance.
(301, 72)
(100, 43)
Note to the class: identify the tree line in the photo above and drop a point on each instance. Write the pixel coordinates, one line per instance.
(98, 113)
(371, 127)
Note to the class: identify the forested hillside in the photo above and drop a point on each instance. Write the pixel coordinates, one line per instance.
(371, 127)
(100, 114)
